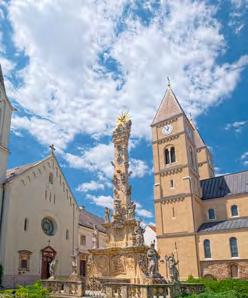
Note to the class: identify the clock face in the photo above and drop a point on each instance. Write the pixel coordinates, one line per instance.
(167, 129)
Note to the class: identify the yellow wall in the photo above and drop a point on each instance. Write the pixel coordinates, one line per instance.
(220, 248)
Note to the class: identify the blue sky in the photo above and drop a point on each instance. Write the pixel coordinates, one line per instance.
(72, 66)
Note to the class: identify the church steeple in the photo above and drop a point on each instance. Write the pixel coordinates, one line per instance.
(5, 120)
(169, 106)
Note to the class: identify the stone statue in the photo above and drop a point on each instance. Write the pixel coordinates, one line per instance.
(172, 263)
(74, 265)
(52, 268)
(153, 259)
(131, 210)
(95, 240)
(117, 207)
(107, 215)
(139, 234)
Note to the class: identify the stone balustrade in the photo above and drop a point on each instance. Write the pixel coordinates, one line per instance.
(64, 288)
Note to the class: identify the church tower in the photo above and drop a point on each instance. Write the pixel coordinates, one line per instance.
(5, 120)
(177, 191)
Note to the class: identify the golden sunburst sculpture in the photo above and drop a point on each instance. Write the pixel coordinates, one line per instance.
(123, 118)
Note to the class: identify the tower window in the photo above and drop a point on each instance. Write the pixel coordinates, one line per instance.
(211, 214)
(51, 178)
(234, 247)
(82, 240)
(234, 210)
(171, 183)
(170, 155)
(207, 249)
(173, 212)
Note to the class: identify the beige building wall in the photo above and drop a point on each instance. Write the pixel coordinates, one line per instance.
(222, 206)
(30, 196)
(184, 249)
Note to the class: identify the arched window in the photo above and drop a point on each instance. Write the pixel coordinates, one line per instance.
(173, 154)
(67, 234)
(170, 155)
(167, 156)
(234, 210)
(211, 214)
(234, 247)
(25, 224)
(51, 178)
(207, 249)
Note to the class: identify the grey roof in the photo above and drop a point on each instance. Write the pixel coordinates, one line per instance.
(225, 185)
(228, 224)
(89, 220)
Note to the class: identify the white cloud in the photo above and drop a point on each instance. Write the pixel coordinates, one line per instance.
(107, 201)
(98, 159)
(244, 158)
(143, 212)
(237, 125)
(67, 90)
(90, 186)
(103, 201)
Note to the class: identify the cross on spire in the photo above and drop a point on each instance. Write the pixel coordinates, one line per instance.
(169, 83)
(52, 147)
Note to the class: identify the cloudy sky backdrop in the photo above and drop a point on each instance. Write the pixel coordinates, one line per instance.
(71, 67)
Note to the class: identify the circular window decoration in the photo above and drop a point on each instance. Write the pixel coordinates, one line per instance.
(48, 226)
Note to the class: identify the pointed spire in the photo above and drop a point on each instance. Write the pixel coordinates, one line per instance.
(1, 78)
(169, 106)
(197, 137)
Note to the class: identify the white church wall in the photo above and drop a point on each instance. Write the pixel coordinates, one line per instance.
(31, 196)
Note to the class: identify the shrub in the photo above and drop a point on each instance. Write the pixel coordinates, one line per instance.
(33, 291)
(236, 288)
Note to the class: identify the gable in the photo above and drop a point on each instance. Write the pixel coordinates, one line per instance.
(27, 173)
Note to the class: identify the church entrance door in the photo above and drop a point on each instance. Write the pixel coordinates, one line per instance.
(47, 255)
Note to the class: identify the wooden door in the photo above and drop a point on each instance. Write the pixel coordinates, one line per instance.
(47, 255)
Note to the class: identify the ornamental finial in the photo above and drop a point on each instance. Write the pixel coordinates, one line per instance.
(122, 119)
(52, 147)
(169, 83)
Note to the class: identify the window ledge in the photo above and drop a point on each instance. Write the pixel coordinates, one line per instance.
(235, 258)
(208, 259)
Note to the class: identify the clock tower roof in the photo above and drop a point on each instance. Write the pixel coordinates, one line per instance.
(168, 108)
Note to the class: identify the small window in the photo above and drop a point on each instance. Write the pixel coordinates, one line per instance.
(173, 212)
(51, 178)
(67, 234)
(234, 210)
(24, 260)
(207, 249)
(82, 240)
(234, 247)
(211, 214)
(171, 183)
(25, 224)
